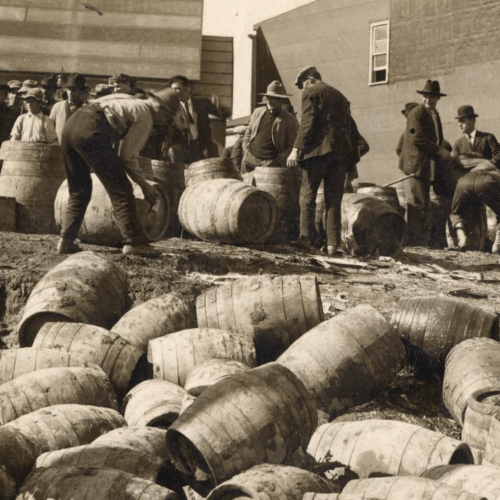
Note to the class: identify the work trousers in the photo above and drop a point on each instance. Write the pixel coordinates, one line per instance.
(249, 162)
(418, 214)
(474, 189)
(332, 169)
(86, 143)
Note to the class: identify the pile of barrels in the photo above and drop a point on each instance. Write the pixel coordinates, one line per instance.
(216, 397)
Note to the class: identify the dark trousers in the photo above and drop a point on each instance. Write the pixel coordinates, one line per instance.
(474, 189)
(418, 214)
(249, 162)
(331, 169)
(86, 142)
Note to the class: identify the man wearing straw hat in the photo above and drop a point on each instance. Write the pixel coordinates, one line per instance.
(270, 135)
(421, 156)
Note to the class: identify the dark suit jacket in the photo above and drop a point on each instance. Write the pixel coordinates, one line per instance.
(420, 143)
(485, 146)
(326, 124)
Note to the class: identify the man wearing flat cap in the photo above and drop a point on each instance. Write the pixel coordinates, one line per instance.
(87, 142)
(326, 148)
(421, 156)
(270, 135)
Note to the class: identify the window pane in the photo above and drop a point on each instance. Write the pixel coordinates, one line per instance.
(380, 61)
(380, 76)
(380, 46)
(380, 32)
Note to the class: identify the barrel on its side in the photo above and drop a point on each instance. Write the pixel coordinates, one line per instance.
(371, 226)
(228, 211)
(472, 366)
(272, 312)
(84, 288)
(492, 449)
(386, 447)
(212, 168)
(32, 174)
(99, 226)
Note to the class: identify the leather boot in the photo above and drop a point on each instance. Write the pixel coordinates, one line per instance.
(462, 237)
(496, 243)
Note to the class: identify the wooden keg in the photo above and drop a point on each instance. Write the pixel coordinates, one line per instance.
(32, 174)
(212, 168)
(387, 194)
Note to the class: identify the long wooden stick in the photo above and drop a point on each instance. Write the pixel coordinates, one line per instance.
(398, 180)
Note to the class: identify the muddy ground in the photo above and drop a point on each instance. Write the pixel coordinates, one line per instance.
(190, 266)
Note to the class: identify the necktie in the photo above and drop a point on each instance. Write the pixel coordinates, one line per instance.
(471, 140)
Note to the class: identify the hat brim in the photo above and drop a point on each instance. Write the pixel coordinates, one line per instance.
(32, 96)
(466, 116)
(281, 96)
(432, 93)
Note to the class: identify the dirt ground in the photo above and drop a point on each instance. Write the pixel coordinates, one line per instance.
(190, 266)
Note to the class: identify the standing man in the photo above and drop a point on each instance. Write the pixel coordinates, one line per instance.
(49, 89)
(77, 95)
(421, 156)
(87, 142)
(325, 149)
(271, 133)
(4, 118)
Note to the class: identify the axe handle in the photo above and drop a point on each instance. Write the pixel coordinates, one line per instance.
(398, 180)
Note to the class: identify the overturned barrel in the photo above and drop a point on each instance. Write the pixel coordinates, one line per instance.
(371, 226)
(32, 174)
(346, 360)
(431, 326)
(386, 447)
(99, 225)
(84, 288)
(228, 211)
(212, 168)
(272, 312)
(260, 416)
(387, 194)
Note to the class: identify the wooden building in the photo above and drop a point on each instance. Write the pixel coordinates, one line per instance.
(379, 52)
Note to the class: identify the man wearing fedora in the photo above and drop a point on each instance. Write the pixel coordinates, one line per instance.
(77, 95)
(87, 142)
(270, 135)
(326, 148)
(421, 155)
(49, 89)
(33, 126)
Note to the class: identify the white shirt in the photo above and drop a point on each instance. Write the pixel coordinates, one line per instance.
(471, 137)
(33, 128)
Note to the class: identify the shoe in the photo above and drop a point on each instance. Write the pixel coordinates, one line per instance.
(302, 242)
(496, 243)
(138, 249)
(462, 238)
(319, 242)
(67, 246)
(331, 250)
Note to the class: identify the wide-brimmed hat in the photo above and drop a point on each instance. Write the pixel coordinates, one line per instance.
(303, 74)
(168, 99)
(276, 89)
(49, 81)
(431, 87)
(75, 80)
(466, 111)
(408, 107)
(15, 84)
(35, 93)
(28, 84)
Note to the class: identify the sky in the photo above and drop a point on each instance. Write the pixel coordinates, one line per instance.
(236, 18)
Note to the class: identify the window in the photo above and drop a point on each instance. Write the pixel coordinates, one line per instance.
(379, 53)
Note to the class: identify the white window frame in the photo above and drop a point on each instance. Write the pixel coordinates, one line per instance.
(373, 53)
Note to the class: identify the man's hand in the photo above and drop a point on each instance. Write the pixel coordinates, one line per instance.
(150, 193)
(293, 159)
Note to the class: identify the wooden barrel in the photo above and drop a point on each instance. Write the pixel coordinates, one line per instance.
(272, 312)
(172, 178)
(98, 483)
(99, 225)
(8, 211)
(84, 288)
(431, 326)
(187, 402)
(346, 360)
(387, 194)
(248, 178)
(284, 185)
(478, 479)
(492, 449)
(140, 464)
(397, 488)
(481, 407)
(260, 416)
(32, 174)
(360, 184)
(55, 386)
(124, 364)
(272, 482)
(228, 211)
(471, 366)
(175, 355)
(17, 362)
(155, 318)
(371, 226)
(373, 448)
(137, 437)
(209, 372)
(212, 168)
(156, 403)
